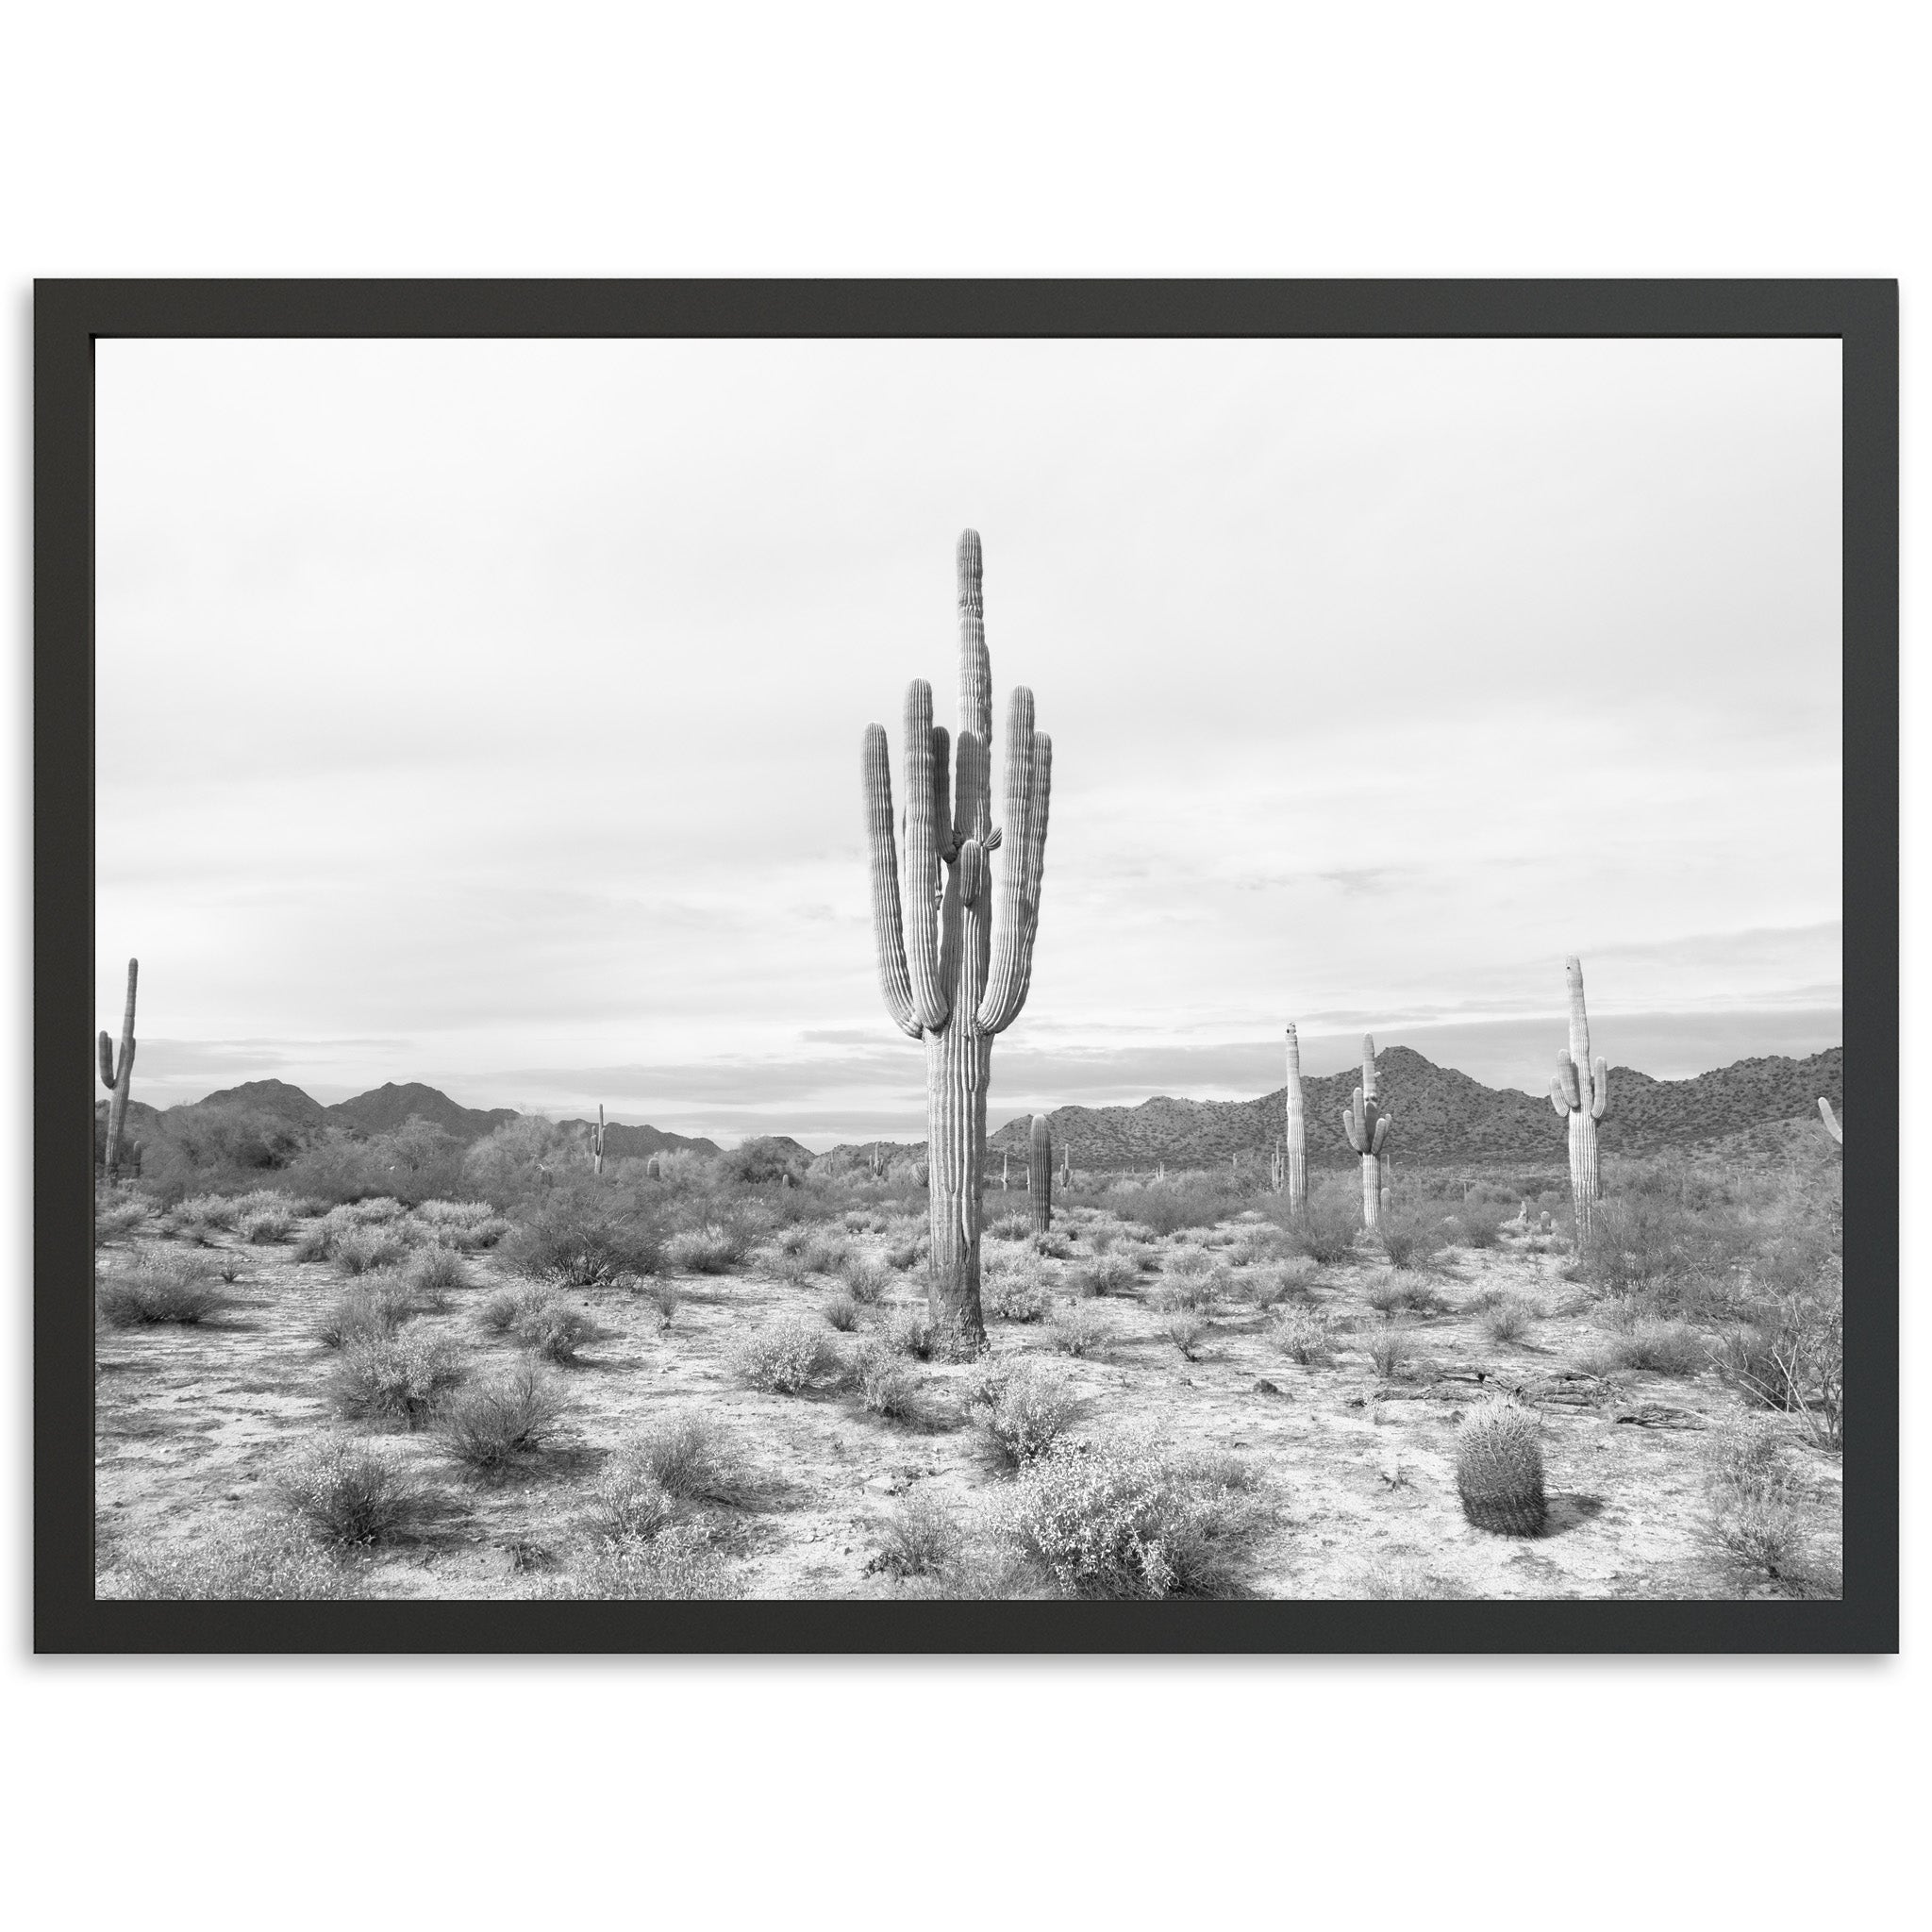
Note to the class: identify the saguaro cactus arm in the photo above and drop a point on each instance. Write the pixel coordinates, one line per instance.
(107, 1061)
(1029, 786)
(889, 935)
(1833, 1125)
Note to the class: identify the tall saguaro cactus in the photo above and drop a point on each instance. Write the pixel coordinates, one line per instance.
(953, 974)
(117, 1076)
(597, 1144)
(1367, 1128)
(1296, 1140)
(1579, 1091)
(1040, 1173)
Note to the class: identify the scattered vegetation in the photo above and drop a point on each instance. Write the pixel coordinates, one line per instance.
(156, 1287)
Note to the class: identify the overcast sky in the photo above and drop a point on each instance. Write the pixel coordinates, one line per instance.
(489, 713)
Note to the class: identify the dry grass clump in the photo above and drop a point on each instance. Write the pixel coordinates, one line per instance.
(152, 1288)
(1018, 1409)
(1644, 1343)
(1401, 1579)
(1389, 1294)
(1078, 1329)
(1133, 1520)
(785, 1357)
(1186, 1329)
(920, 1536)
(663, 1293)
(1389, 1344)
(628, 1502)
(393, 1378)
(493, 1425)
(1305, 1334)
(346, 1492)
(1509, 1318)
(840, 1313)
(688, 1456)
(260, 1558)
(866, 1278)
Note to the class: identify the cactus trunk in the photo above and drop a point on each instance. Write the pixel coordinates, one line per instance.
(1366, 1128)
(1039, 1174)
(117, 1078)
(953, 971)
(1295, 1142)
(1580, 1092)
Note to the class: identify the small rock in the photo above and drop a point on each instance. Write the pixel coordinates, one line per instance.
(1265, 1387)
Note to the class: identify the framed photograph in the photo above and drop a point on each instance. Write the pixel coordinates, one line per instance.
(922, 966)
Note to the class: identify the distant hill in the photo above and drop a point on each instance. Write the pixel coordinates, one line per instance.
(391, 1105)
(270, 1096)
(627, 1143)
(1442, 1118)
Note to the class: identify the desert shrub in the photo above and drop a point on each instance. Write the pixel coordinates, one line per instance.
(712, 1249)
(260, 1558)
(1411, 1238)
(1176, 1292)
(1014, 1297)
(628, 1502)
(1401, 1579)
(1186, 1329)
(1189, 1264)
(784, 1355)
(1169, 1206)
(1078, 1329)
(1388, 1292)
(156, 1287)
(397, 1378)
(262, 1227)
(576, 1242)
(865, 1280)
(214, 1210)
(920, 1536)
(911, 1330)
(664, 1294)
(436, 1270)
(762, 1161)
(1475, 1225)
(1304, 1334)
(1665, 1348)
(116, 1220)
(687, 1455)
(1508, 1318)
(377, 1304)
(1263, 1242)
(465, 1226)
(840, 1313)
(826, 1253)
(1053, 1245)
(1389, 1346)
(494, 1424)
(540, 1320)
(362, 1250)
(904, 1255)
(1105, 1274)
(1019, 1409)
(1791, 1358)
(680, 1563)
(1130, 1521)
(1277, 1282)
(1753, 1515)
(887, 1387)
(1014, 1226)
(378, 1210)
(346, 1492)
(1650, 1245)
(1328, 1229)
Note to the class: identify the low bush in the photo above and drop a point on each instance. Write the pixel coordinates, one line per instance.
(1078, 1329)
(363, 1250)
(785, 1357)
(437, 1270)
(905, 1255)
(1132, 1521)
(826, 1253)
(1388, 1292)
(1509, 1318)
(263, 1558)
(1412, 1238)
(1664, 1348)
(581, 1242)
(920, 1536)
(1475, 1225)
(265, 1227)
(1389, 1344)
(346, 1492)
(394, 1378)
(1013, 1226)
(628, 1502)
(865, 1279)
(1167, 1206)
(689, 1457)
(712, 1249)
(1186, 1329)
(1304, 1335)
(1108, 1274)
(491, 1425)
(1755, 1519)
(540, 1320)
(664, 1294)
(1326, 1231)
(156, 1287)
(886, 1386)
(1053, 1245)
(465, 1226)
(680, 1563)
(212, 1210)
(840, 1313)
(1791, 1358)
(1019, 1409)
(377, 1304)
(1277, 1282)
(115, 1220)
(1014, 1298)
(1191, 1291)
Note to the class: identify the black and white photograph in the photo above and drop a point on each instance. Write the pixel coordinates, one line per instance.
(925, 970)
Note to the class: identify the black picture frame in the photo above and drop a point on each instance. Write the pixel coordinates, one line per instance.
(70, 316)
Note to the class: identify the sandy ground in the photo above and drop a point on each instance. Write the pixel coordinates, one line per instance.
(192, 1422)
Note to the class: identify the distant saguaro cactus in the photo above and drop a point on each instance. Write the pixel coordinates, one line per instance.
(1040, 1173)
(1006, 1168)
(1580, 1090)
(1066, 1163)
(1499, 1469)
(1367, 1128)
(117, 1077)
(949, 978)
(1833, 1125)
(1294, 1145)
(597, 1144)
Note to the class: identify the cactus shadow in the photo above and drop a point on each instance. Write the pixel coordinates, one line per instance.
(1571, 1510)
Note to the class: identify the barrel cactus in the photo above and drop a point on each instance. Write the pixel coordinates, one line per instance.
(1040, 1173)
(1294, 1153)
(1580, 1090)
(1367, 1128)
(117, 1076)
(1499, 1469)
(952, 973)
